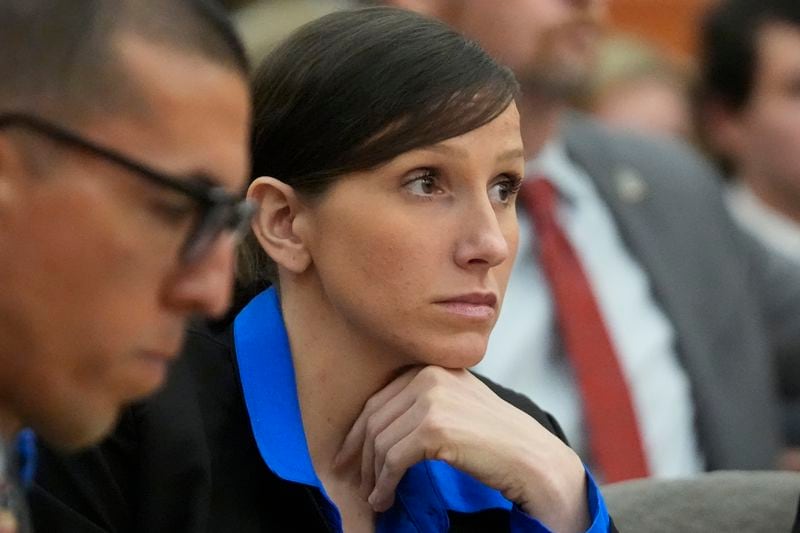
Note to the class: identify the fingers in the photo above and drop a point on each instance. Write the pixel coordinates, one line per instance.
(398, 458)
(386, 416)
(381, 445)
(418, 428)
(436, 413)
(422, 432)
(354, 441)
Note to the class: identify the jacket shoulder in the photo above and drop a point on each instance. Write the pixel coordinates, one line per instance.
(669, 163)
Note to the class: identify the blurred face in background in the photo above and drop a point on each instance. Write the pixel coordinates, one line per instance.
(548, 43)
(650, 105)
(95, 298)
(764, 136)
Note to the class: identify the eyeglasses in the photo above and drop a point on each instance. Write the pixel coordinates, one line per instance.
(219, 211)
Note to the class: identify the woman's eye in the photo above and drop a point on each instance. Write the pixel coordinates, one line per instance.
(425, 185)
(503, 191)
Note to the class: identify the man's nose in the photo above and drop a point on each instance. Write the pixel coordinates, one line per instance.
(206, 286)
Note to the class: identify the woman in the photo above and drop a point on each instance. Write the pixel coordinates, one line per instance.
(388, 157)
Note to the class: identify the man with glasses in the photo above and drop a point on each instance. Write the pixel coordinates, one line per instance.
(123, 150)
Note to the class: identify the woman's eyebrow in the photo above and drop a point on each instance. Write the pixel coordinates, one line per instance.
(513, 153)
(445, 149)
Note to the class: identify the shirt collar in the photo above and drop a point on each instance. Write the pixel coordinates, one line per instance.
(426, 492)
(554, 163)
(268, 382)
(779, 231)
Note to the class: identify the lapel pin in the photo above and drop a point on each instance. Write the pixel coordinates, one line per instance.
(631, 188)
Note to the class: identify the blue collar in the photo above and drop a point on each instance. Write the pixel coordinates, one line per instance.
(425, 494)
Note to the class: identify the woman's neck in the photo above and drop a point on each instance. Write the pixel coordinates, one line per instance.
(336, 372)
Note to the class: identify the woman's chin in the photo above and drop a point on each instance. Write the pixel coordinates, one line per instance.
(465, 351)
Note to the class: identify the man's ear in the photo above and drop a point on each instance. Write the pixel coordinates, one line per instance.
(11, 166)
(275, 223)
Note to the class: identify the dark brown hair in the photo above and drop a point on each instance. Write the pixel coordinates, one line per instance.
(353, 90)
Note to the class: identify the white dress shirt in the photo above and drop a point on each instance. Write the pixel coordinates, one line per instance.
(774, 229)
(524, 352)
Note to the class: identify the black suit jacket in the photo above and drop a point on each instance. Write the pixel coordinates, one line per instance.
(186, 461)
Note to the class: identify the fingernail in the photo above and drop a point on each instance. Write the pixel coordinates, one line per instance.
(378, 504)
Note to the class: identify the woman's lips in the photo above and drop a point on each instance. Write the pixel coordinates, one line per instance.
(472, 305)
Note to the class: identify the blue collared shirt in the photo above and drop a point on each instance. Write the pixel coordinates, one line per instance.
(428, 490)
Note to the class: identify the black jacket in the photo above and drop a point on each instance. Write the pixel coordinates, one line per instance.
(186, 461)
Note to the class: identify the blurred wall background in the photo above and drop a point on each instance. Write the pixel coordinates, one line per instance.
(644, 71)
(669, 25)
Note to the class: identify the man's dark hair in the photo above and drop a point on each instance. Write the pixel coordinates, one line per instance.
(729, 52)
(59, 56)
(355, 89)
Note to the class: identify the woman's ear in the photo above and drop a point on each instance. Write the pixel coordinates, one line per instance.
(274, 224)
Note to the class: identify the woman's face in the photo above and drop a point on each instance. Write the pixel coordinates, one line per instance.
(413, 257)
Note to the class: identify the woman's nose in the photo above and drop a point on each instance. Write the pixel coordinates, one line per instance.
(482, 242)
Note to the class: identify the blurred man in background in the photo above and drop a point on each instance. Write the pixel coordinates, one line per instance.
(750, 109)
(637, 313)
(749, 115)
(123, 147)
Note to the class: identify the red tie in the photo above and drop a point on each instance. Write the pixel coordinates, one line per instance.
(613, 431)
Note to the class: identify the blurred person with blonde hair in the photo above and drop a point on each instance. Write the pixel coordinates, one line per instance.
(635, 87)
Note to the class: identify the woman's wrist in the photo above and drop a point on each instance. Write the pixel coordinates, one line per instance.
(554, 491)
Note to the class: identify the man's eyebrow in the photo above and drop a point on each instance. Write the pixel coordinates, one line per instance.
(201, 179)
(204, 180)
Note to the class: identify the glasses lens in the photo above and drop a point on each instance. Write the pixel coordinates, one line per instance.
(239, 223)
(214, 221)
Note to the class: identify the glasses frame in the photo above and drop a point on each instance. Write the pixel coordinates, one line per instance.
(219, 210)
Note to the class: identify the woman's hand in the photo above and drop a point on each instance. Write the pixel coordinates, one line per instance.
(450, 415)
